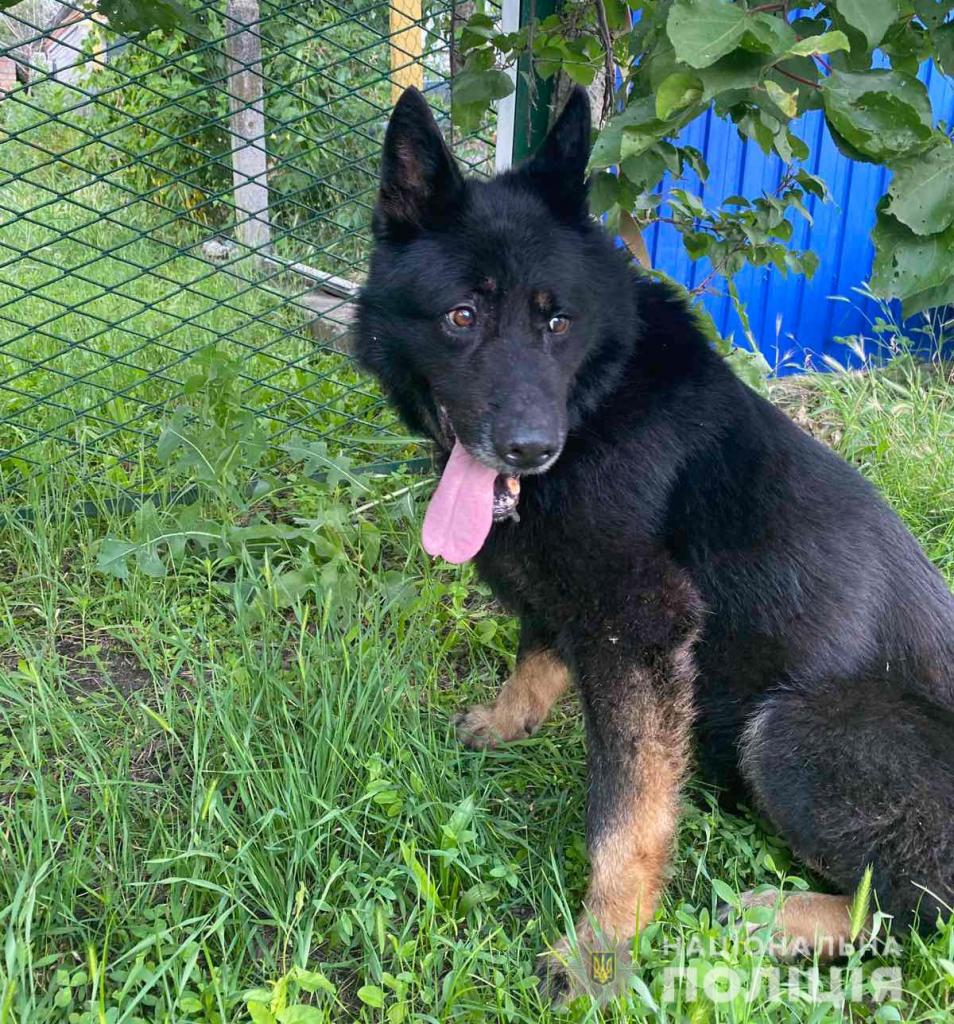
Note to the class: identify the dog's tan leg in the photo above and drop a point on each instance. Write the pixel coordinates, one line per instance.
(628, 860)
(807, 923)
(638, 737)
(521, 706)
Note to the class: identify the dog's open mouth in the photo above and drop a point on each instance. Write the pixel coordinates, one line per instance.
(470, 497)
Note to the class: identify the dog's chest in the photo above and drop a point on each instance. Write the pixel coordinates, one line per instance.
(514, 570)
(548, 562)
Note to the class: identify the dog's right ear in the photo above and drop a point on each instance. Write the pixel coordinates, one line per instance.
(557, 171)
(420, 183)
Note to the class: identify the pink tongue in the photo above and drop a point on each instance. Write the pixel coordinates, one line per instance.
(461, 511)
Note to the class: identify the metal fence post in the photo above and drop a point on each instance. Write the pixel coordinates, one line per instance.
(247, 125)
(533, 94)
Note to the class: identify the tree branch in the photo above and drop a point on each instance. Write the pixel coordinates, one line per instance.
(796, 78)
(606, 38)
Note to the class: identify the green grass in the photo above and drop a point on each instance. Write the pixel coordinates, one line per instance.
(894, 425)
(206, 790)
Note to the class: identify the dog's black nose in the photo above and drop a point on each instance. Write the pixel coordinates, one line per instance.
(527, 451)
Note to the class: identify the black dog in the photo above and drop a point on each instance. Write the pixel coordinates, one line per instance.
(692, 560)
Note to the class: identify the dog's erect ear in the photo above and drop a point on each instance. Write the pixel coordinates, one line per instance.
(557, 171)
(420, 182)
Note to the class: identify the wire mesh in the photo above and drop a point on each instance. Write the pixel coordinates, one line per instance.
(126, 254)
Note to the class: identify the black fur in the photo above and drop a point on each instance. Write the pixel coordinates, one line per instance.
(682, 505)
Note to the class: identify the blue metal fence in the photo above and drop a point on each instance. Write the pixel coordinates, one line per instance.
(794, 320)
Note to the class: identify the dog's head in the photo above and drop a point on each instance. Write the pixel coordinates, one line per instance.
(491, 307)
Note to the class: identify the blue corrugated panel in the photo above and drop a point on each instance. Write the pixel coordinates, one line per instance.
(795, 321)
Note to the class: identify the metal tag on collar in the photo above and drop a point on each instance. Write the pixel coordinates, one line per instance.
(506, 496)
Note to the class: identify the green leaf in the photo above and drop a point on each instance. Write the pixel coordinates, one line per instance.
(880, 115)
(812, 184)
(808, 263)
(753, 915)
(671, 157)
(604, 188)
(643, 171)
(871, 17)
(640, 111)
(642, 990)
(930, 298)
(697, 243)
(112, 557)
(478, 895)
(581, 73)
(425, 886)
(636, 139)
(676, 92)
(738, 70)
(764, 33)
(472, 86)
(827, 42)
(798, 147)
(260, 1013)
(942, 39)
(149, 562)
(468, 116)
(860, 904)
(371, 995)
(135, 16)
(171, 436)
(702, 31)
(726, 893)
(755, 128)
(922, 192)
(787, 102)
(913, 268)
(300, 1014)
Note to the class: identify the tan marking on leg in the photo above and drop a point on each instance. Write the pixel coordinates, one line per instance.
(628, 866)
(808, 923)
(627, 869)
(521, 706)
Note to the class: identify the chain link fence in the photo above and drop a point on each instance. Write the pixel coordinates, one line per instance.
(171, 200)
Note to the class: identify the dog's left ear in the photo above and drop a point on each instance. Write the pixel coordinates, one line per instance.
(557, 171)
(420, 183)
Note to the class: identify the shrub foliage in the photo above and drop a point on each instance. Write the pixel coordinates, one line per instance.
(763, 65)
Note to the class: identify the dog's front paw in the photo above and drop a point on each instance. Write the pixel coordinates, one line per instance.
(483, 726)
(556, 981)
(592, 965)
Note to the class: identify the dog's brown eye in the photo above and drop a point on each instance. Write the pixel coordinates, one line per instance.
(462, 317)
(558, 324)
